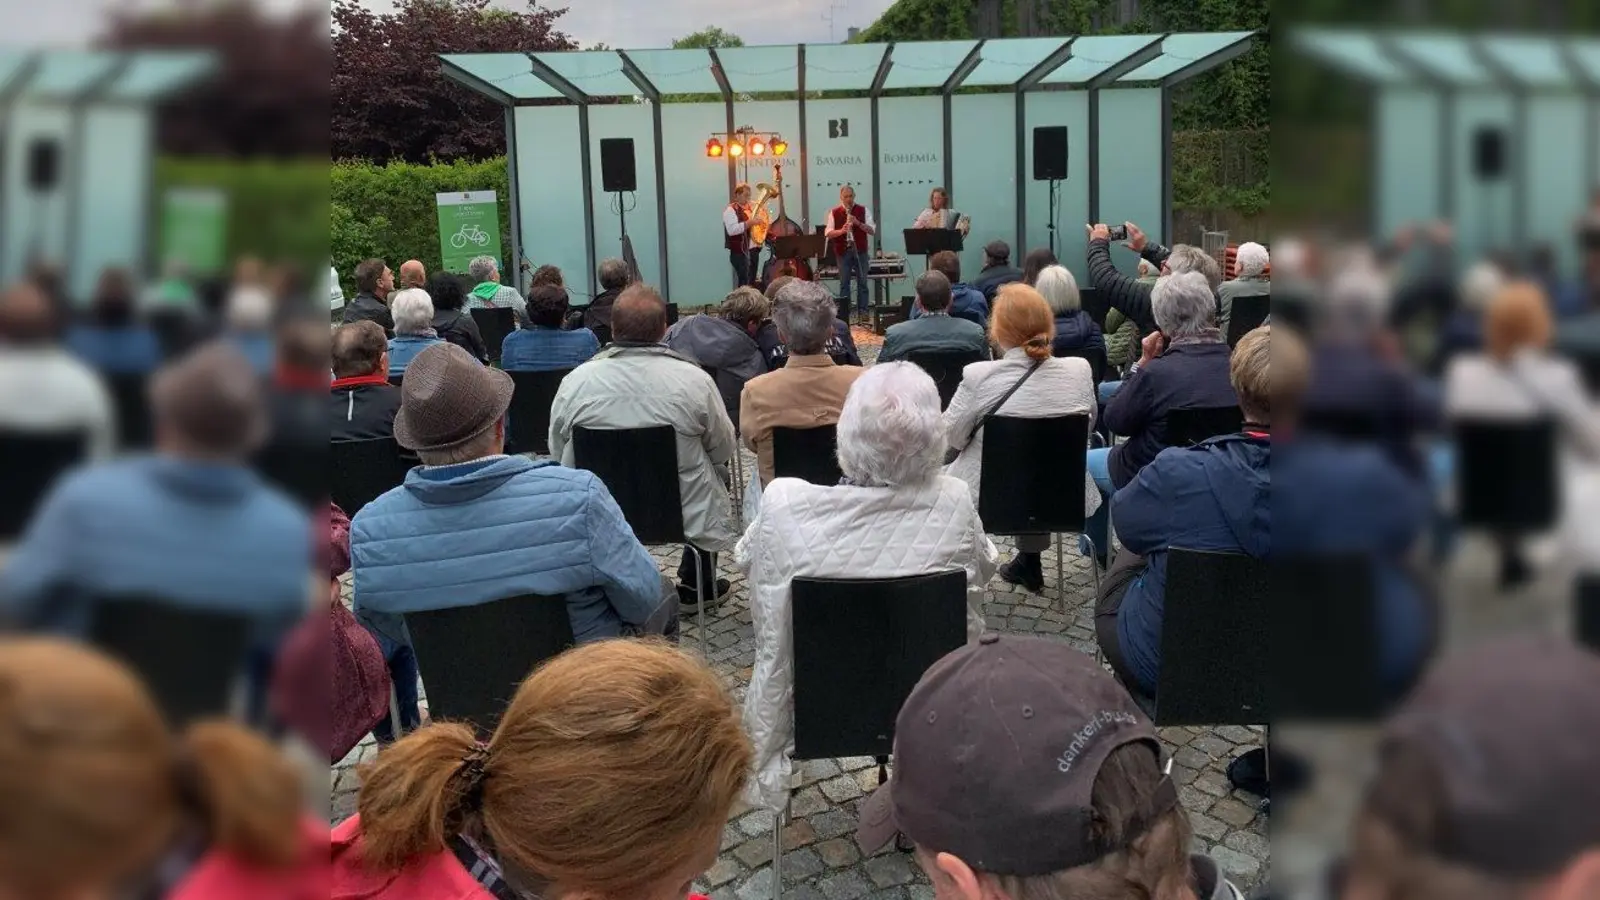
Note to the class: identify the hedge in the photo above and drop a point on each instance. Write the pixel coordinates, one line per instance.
(277, 209)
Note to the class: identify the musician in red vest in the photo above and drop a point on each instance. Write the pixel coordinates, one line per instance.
(849, 226)
(736, 236)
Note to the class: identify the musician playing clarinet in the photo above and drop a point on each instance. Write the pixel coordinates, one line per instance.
(849, 226)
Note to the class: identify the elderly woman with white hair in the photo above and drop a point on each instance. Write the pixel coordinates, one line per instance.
(1077, 333)
(895, 515)
(1252, 260)
(248, 318)
(413, 328)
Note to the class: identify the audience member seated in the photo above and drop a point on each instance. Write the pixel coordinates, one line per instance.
(613, 275)
(933, 330)
(489, 292)
(1076, 331)
(413, 328)
(1215, 496)
(639, 383)
(111, 339)
(1252, 260)
(190, 524)
(896, 515)
(1122, 339)
(540, 345)
(103, 800)
(810, 390)
(725, 343)
(1462, 330)
(840, 347)
(965, 302)
(172, 294)
(1022, 328)
(413, 275)
(547, 274)
(451, 321)
(364, 402)
(374, 284)
(611, 774)
(1132, 296)
(248, 326)
(43, 388)
(997, 270)
(1076, 801)
(298, 397)
(1035, 262)
(1484, 784)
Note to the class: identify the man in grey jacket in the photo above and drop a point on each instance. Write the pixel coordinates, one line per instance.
(725, 343)
(639, 383)
(935, 330)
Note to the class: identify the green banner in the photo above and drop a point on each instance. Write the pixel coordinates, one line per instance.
(469, 226)
(194, 228)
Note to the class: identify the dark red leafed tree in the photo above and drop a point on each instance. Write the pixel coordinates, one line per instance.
(390, 100)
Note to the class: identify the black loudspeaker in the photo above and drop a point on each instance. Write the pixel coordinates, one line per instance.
(1050, 152)
(616, 165)
(1489, 152)
(44, 157)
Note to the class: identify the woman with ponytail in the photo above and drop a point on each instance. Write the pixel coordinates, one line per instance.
(101, 800)
(1026, 382)
(610, 777)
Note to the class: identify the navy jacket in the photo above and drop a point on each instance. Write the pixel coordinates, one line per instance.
(990, 280)
(1214, 496)
(1351, 381)
(1186, 376)
(1077, 331)
(966, 302)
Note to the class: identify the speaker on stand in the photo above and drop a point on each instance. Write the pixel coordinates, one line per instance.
(44, 171)
(1050, 164)
(618, 176)
(1489, 168)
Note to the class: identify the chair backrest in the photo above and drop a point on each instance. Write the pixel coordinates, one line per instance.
(1506, 475)
(672, 313)
(127, 389)
(1032, 474)
(398, 380)
(472, 658)
(31, 463)
(1187, 427)
(1586, 610)
(529, 422)
(189, 658)
(808, 453)
(494, 324)
(1325, 659)
(859, 648)
(1215, 646)
(1246, 315)
(299, 470)
(364, 470)
(945, 367)
(1095, 357)
(640, 468)
(175, 332)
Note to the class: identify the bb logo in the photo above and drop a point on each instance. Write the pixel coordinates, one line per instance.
(838, 128)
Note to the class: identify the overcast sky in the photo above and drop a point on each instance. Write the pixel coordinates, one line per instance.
(619, 23)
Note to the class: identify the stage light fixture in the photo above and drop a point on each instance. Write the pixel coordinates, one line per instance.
(779, 146)
(735, 149)
(757, 148)
(713, 148)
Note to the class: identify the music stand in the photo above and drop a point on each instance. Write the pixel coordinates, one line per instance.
(799, 246)
(925, 242)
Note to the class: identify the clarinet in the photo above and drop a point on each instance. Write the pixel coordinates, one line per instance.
(849, 233)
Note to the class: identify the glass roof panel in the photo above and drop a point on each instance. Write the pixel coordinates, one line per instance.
(153, 75)
(597, 73)
(1586, 53)
(756, 69)
(841, 67)
(1530, 60)
(1355, 53)
(1180, 50)
(1006, 62)
(509, 72)
(1093, 54)
(1444, 56)
(924, 64)
(676, 71)
(68, 72)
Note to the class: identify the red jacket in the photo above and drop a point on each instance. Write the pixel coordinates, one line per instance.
(836, 217)
(220, 875)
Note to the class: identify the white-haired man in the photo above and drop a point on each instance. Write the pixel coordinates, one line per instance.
(1130, 295)
(490, 293)
(1252, 260)
(413, 328)
(896, 500)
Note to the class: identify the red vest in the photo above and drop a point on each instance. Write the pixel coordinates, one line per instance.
(738, 243)
(836, 217)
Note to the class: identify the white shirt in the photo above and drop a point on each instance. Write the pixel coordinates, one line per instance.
(872, 227)
(936, 218)
(45, 389)
(731, 223)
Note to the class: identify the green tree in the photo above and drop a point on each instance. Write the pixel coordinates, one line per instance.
(709, 38)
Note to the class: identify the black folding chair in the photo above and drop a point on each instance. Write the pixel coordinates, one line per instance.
(1325, 661)
(529, 421)
(398, 380)
(859, 648)
(494, 324)
(364, 470)
(1095, 357)
(1586, 617)
(1506, 475)
(1215, 643)
(189, 658)
(299, 470)
(175, 332)
(672, 313)
(945, 367)
(1246, 316)
(810, 454)
(640, 468)
(1187, 427)
(1032, 481)
(132, 409)
(32, 462)
(473, 658)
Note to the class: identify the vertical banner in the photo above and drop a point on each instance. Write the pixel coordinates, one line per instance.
(469, 226)
(194, 228)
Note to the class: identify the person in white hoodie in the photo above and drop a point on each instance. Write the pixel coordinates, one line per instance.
(44, 389)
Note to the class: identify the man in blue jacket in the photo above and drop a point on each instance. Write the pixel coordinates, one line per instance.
(472, 525)
(966, 301)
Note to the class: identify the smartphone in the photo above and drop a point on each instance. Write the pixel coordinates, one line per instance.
(1119, 232)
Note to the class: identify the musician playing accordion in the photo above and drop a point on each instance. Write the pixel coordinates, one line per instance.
(938, 214)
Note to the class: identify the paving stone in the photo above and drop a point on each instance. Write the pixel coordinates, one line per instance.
(801, 865)
(841, 789)
(1193, 800)
(819, 769)
(807, 802)
(852, 763)
(1233, 812)
(1238, 734)
(798, 834)
(1214, 746)
(894, 893)
(844, 885)
(833, 823)
(1214, 783)
(732, 836)
(754, 853)
(1182, 774)
(891, 869)
(757, 886)
(867, 779)
(838, 853)
(1207, 827)
(757, 822)
(720, 874)
(1248, 843)
(1235, 864)
(920, 892)
(1192, 758)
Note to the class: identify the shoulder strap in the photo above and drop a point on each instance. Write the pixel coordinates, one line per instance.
(1003, 398)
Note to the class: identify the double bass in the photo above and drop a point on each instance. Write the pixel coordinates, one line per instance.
(783, 226)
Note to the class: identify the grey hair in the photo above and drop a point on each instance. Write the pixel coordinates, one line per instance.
(1189, 258)
(891, 433)
(613, 274)
(804, 312)
(1183, 304)
(1252, 258)
(412, 309)
(1059, 289)
(483, 268)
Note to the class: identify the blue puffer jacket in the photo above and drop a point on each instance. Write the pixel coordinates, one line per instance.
(132, 350)
(1213, 496)
(1077, 331)
(501, 527)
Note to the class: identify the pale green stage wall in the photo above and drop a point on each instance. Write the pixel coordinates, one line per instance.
(1557, 181)
(627, 120)
(1484, 211)
(33, 221)
(839, 148)
(1407, 181)
(983, 137)
(550, 191)
(1069, 108)
(111, 202)
(697, 192)
(1130, 164)
(911, 151)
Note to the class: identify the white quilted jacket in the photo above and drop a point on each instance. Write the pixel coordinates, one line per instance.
(807, 530)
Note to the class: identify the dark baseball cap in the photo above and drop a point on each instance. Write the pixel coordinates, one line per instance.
(1509, 732)
(997, 250)
(996, 754)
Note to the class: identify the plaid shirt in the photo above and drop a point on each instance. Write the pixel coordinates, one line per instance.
(540, 349)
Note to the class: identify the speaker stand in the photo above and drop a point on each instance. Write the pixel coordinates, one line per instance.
(1055, 187)
(627, 246)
